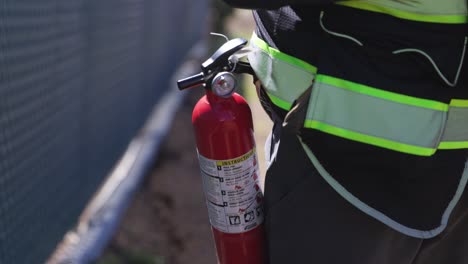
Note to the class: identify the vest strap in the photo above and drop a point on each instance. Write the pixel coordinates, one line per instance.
(358, 112)
(385, 119)
(284, 77)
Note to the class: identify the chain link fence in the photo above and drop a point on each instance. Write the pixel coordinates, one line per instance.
(77, 80)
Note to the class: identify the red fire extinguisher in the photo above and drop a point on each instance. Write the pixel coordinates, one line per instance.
(223, 127)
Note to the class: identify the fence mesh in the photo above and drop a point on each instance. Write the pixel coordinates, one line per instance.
(77, 80)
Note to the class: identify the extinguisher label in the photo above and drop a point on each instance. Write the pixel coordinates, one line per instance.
(232, 192)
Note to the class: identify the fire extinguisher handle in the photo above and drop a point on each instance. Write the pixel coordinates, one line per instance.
(192, 81)
(221, 56)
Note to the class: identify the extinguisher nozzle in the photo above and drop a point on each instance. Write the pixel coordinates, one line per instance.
(191, 82)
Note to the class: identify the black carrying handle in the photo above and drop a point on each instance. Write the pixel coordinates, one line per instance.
(220, 58)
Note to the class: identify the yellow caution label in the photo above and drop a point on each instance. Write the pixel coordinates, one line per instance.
(236, 160)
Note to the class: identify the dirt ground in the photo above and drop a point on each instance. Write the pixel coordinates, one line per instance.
(167, 220)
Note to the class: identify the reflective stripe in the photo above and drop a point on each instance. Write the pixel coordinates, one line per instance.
(456, 130)
(282, 56)
(280, 102)
(453, 145)
(284, 77)
(374, 92)
(380, 216)
(459, 103)
(455, 13)
(363, 138)
(358, 112)
(362, 113)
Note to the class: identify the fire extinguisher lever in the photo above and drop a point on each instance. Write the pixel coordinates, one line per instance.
(243, 67)
(220, 58)
(218, 62)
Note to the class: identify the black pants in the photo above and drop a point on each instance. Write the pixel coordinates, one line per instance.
(308, 222)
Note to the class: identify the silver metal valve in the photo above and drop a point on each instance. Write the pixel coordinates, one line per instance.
(224, 84)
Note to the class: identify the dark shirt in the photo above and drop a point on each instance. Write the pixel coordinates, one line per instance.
(412, 190)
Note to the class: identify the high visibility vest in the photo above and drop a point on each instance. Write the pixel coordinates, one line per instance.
(358, 112)
(435, 11)
(368, 114)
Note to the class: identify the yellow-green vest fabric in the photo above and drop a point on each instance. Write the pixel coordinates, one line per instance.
(435, 11)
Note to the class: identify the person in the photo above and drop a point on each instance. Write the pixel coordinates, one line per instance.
(368, 153)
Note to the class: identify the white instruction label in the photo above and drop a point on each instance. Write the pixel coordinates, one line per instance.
(232, 192)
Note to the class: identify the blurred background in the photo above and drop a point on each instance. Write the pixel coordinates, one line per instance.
(97, 157)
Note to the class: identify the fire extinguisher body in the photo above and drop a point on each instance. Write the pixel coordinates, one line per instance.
(226, 147)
